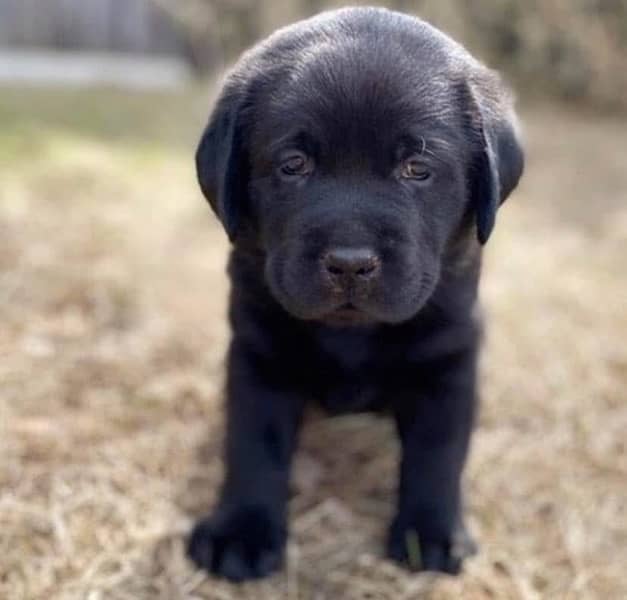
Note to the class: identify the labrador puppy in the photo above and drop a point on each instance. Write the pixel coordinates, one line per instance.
(356, 161)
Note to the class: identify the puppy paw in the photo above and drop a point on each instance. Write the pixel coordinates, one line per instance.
(238, 544)
(408, 547)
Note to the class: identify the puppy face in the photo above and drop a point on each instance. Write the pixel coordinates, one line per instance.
(356, 162)
(357, 185)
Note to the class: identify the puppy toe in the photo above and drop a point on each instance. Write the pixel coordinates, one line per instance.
(407, 547)
(238, 544)
(200, 546)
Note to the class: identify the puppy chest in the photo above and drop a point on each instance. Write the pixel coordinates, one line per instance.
(347, 372)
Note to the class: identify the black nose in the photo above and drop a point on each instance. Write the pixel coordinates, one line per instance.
(355, 263)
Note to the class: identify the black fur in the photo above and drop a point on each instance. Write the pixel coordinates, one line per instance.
(353, 283)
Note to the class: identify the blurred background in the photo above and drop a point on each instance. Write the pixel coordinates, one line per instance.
(112, 330)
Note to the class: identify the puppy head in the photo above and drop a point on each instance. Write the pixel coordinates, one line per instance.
(353, 150)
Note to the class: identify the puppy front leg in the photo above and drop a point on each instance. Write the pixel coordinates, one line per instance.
(245, 536)
(434, 427)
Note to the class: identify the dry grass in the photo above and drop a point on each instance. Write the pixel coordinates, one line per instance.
(111, 340)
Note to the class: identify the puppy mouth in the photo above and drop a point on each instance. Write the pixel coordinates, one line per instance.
(348, 308)
(347, 314)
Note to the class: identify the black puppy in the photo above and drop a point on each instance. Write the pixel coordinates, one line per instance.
(356, 161)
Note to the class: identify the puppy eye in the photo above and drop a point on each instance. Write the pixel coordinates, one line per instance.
(296, 163)
(414, 168)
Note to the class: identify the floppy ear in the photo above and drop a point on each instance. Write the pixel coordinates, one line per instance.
(499, 160)
(222, 165)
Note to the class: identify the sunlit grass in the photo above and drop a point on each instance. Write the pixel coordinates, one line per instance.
(112, 335)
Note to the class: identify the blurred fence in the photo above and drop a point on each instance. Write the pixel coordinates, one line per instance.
(131, 26)
(575, 50)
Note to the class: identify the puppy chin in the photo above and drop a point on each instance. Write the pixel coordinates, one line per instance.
(351, 316)
(348, 316)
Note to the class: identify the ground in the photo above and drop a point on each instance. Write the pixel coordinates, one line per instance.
(112, 335)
